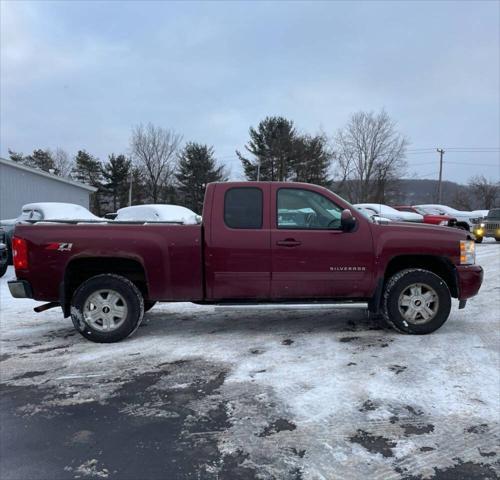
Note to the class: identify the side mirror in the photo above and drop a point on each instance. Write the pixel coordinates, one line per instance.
(347, 221)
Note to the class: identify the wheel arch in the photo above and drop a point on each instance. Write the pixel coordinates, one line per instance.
(441, 266)
(81, 269)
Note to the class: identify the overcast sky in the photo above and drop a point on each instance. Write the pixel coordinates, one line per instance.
(79, 75)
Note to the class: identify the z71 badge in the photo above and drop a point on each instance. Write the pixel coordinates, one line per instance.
(61, 247)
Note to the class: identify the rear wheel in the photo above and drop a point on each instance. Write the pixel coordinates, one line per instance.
(107, 308)
(479, 239)
(416, 301)
(3, 269)
(497, 239)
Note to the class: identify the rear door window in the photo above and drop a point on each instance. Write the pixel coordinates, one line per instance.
(243, 208)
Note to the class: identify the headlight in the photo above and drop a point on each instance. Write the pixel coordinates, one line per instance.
(443, 222)
(482, 225)
(467, 252)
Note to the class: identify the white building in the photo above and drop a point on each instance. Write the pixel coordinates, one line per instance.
(20, 185)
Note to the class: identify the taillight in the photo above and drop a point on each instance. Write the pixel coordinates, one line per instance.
(20, 253)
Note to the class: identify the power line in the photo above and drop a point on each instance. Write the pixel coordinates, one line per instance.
(475, 163)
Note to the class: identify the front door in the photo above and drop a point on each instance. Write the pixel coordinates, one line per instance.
(311, 256)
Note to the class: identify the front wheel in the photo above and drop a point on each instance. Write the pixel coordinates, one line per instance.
(479, 239)
(107, 308)
(3, 269)
(416, 301)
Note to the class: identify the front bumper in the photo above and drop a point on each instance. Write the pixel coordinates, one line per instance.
(20, 289)
(470, 278)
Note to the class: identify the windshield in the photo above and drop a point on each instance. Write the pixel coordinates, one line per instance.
(494, 214)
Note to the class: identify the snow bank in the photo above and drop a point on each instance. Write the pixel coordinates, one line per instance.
(158, 213)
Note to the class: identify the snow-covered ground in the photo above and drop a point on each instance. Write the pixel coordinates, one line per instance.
(260, 392)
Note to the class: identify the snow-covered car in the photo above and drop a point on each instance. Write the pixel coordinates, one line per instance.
(481, 213)
(471, 218)
(370, 213)
(391, 213)
(158, 213)
(46, 211)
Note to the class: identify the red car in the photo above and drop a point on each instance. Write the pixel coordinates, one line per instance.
(258, 242)
(432, 217)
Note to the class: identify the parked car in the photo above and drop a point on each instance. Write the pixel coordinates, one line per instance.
(4, 257)
(489, 226)
(104, 275)
(430, 216)
(158, 213)
(47, 211)
(392, 213)
(373, 214)
(467, 219)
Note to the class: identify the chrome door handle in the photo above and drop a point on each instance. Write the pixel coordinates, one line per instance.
(289, 242)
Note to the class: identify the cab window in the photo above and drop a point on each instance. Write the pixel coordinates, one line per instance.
(243, 208)
(305, 209)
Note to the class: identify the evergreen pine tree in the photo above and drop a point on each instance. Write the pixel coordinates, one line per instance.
(116, 176)
(272, 146)
(197, 167)
(88, 169)
(41, 159)
(16, 156)
(312, 160)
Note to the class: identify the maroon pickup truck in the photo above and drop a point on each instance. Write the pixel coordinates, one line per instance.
(258, 242)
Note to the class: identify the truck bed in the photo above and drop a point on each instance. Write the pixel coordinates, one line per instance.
(170, 255)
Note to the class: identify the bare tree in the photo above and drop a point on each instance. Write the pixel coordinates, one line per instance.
(369, 153)
(154, 152)
(63, 163)
(486, 192)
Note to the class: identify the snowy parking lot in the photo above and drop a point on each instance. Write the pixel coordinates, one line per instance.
(203, 392)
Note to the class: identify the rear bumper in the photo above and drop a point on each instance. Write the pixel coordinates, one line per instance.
(20, 289)
(470, 278)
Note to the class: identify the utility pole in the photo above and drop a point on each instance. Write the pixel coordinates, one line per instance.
(441, 153)
(130, 190)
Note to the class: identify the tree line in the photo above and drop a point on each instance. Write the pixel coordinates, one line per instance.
(157, 170)
(363, 162)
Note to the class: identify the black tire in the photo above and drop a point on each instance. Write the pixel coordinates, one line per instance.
(479, 239)
(130, 296)
(402, 281)
(148, 305)
(3, 269)
(497, 239)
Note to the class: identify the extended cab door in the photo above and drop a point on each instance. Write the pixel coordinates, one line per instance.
(311, 256)
(237, 242)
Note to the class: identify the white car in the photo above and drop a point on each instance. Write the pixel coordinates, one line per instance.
(471, 218)
(48, 211)
(158, 213)
(392, 213)
(370, 213)
(481, 213)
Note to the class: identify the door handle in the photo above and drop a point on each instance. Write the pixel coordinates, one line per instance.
(289, 242)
